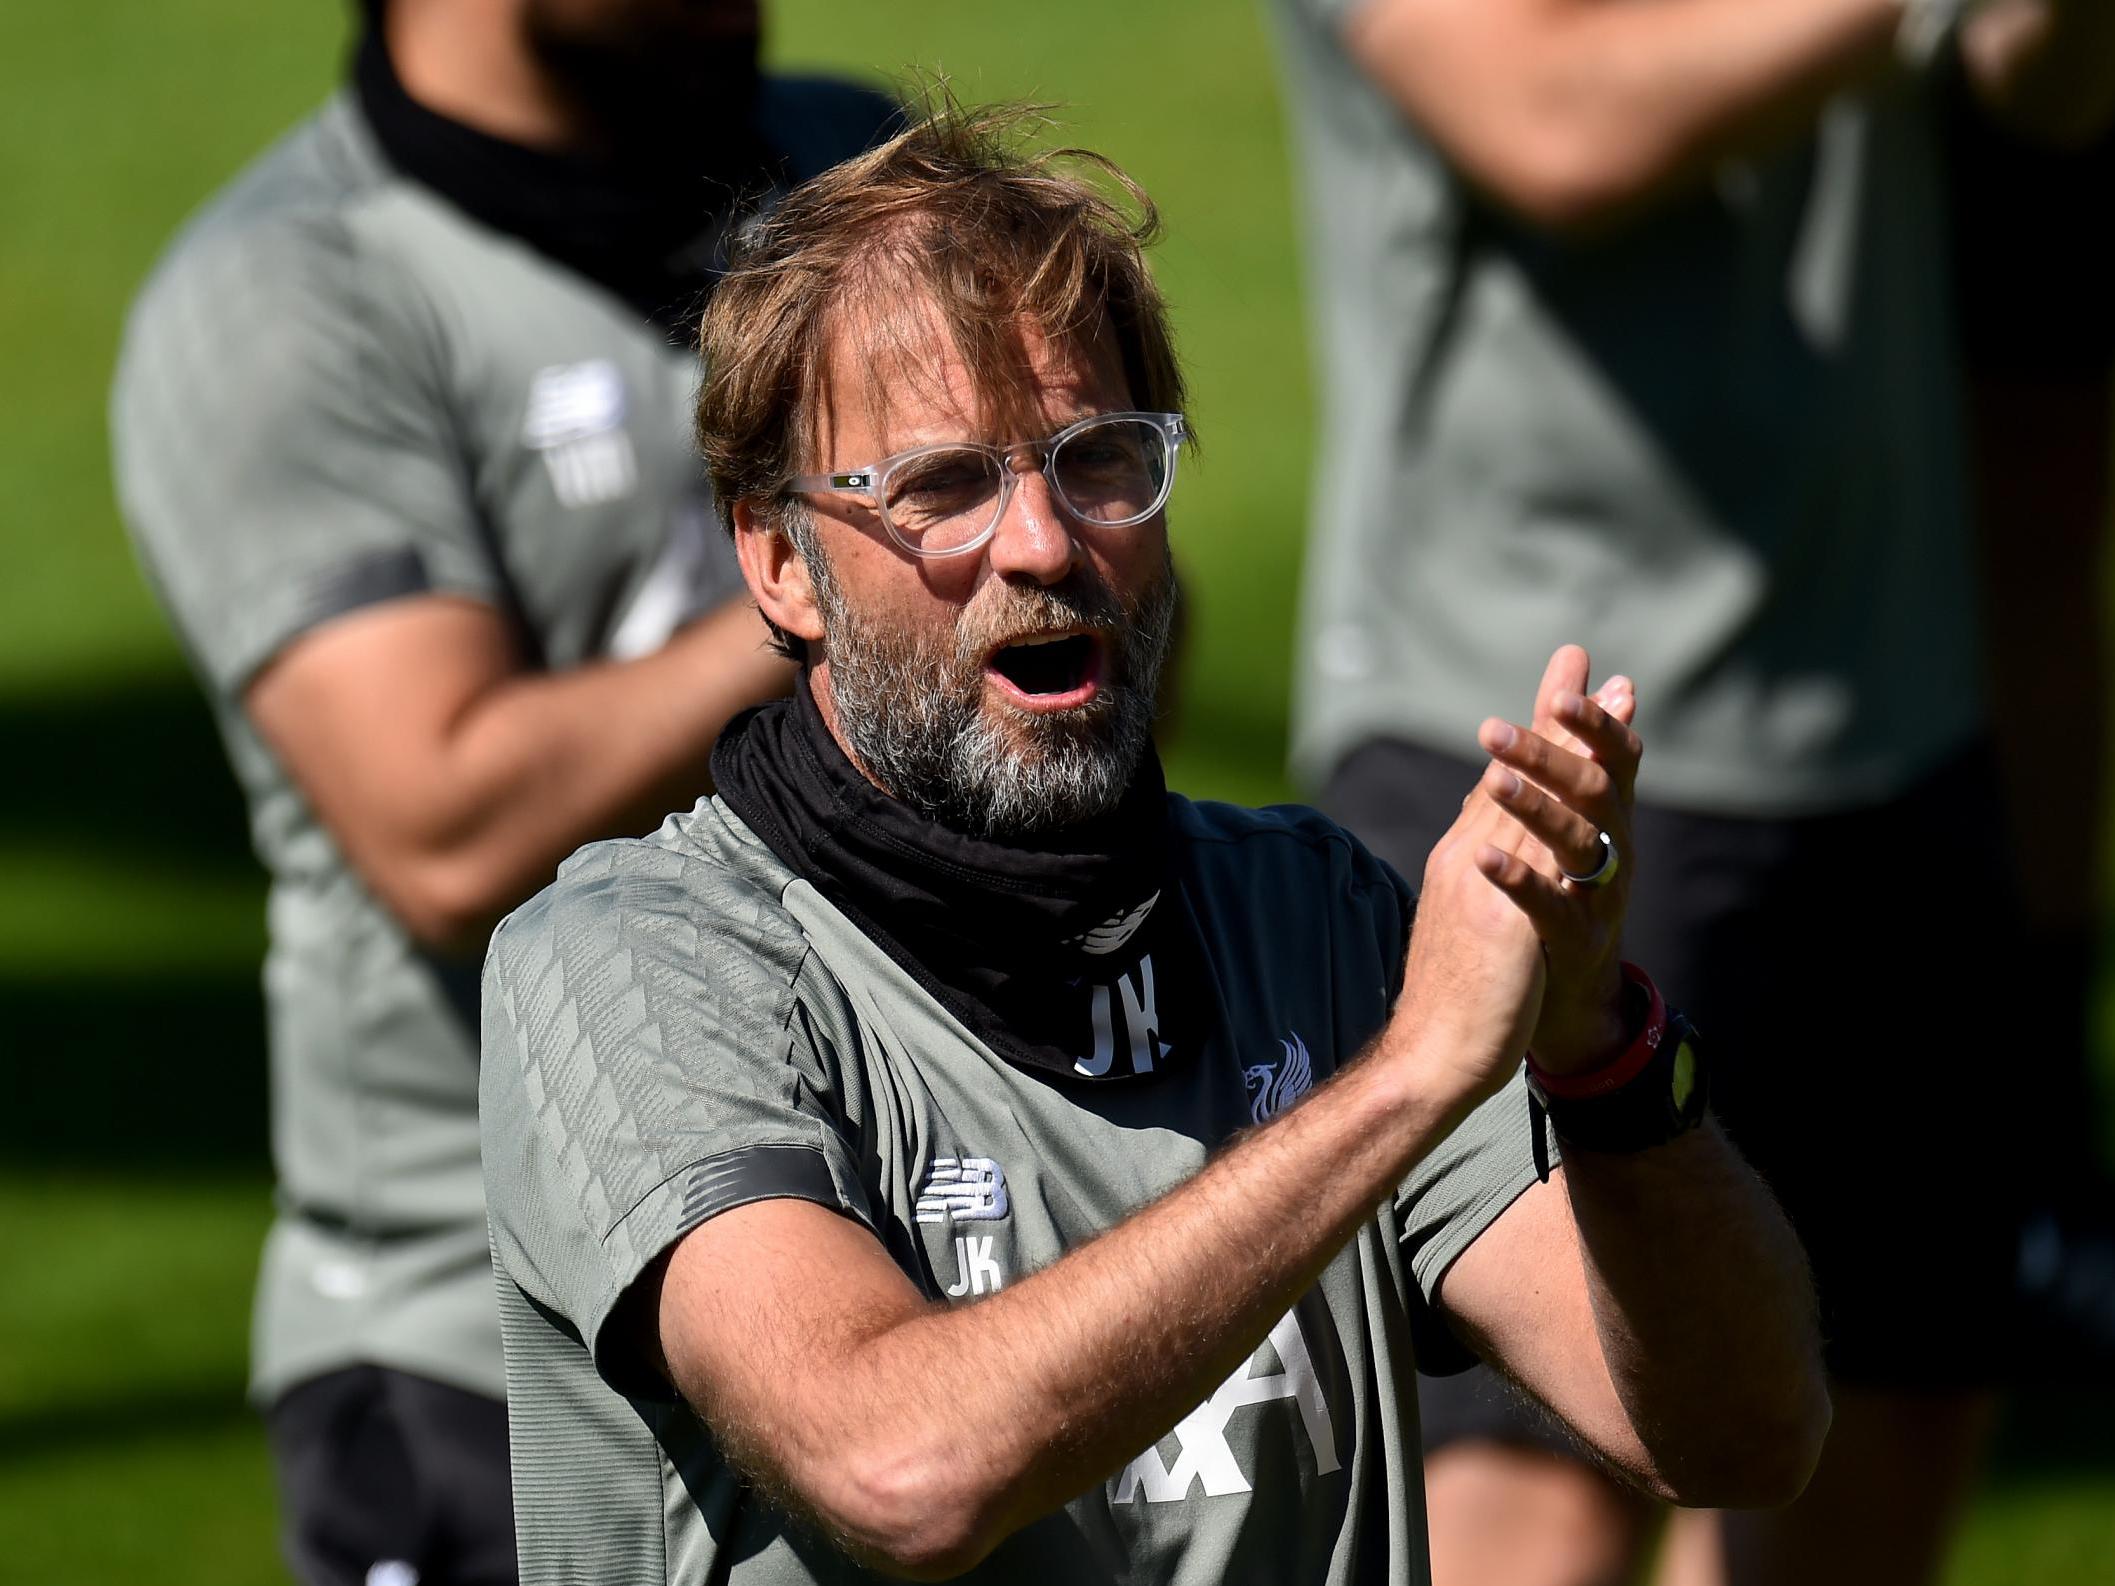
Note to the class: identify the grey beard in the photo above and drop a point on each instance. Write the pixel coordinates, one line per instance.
(915, 719)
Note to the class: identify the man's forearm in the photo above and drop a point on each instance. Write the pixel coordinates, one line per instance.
(1577, 111)
(1182, 1293)
(1705, 1314)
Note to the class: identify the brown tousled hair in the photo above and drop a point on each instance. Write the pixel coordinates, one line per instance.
(957, 218)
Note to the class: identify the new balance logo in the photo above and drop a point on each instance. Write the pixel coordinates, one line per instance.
(1273, 1087)
(969, 1189)
(575, 418)
(1113, 932)
(1207, 1457)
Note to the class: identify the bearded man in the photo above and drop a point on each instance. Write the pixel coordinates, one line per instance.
(947, 1152)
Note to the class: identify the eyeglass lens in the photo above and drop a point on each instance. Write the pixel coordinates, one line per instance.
(1113, 473)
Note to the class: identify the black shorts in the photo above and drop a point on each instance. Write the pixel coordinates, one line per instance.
(380, 1468)
(1854, 977)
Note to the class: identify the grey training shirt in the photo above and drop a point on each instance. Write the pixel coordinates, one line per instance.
(1718, 445)
(681, 1025)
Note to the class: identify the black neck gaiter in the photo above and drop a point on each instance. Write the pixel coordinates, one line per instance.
(1059, 953)
(648, 226)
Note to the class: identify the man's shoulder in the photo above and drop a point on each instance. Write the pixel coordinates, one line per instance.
(320, 234)
(289, 214)
(702, 877)
(319, 241)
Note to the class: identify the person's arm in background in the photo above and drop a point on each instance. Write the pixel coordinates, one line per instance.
(1572, 113)
(455, 780)
(1575, 113)
(2044, 68)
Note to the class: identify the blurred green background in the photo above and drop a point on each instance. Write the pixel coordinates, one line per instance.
(133, 1184)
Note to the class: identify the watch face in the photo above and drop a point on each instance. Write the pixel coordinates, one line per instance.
(1684, 1076)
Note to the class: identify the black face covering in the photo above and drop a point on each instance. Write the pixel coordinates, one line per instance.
(1056, 952)
(647, 222)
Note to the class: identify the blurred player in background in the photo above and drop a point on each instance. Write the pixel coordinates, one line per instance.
(402, 435)
(1636, 323)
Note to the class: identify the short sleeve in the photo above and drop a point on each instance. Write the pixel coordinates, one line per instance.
(284, 447)
(1452, 1196)
(650, 1061)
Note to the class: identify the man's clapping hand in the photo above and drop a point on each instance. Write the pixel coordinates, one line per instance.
(1506, 951)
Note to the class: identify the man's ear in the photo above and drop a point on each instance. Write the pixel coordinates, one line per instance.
(775, 573)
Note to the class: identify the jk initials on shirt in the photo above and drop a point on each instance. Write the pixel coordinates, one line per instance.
(980, 1273)
(1141, 1023)
(1207, 1457)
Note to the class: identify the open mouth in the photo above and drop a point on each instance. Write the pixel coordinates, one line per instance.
(1049, 673)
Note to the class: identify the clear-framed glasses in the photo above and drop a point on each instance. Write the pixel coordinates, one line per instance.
(1112, 470)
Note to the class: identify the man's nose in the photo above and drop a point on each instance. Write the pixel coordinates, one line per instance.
(1035, 537)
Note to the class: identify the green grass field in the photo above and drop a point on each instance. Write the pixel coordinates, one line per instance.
(132, 1183)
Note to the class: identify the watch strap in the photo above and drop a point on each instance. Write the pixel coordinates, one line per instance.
(1656, 1090)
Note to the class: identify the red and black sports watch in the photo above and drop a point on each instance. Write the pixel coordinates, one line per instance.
(1653, 1090)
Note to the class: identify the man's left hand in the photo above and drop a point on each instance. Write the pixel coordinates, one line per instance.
(1566, 780)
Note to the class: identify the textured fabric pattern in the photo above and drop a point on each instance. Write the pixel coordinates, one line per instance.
(636, 1069)
(680, 1025)
(1717, 444)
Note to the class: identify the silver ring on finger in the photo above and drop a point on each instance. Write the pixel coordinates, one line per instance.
(1602, 873)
